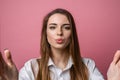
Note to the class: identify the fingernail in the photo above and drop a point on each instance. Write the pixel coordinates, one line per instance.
(5, 49)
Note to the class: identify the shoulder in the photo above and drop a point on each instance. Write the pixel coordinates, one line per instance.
(30, 69)
(31, 64)
(94, 73)
(33, 61)
(90, 63)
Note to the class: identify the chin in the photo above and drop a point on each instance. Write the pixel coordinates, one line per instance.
(60, 47)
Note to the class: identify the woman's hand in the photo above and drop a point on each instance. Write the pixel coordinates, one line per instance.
(8, 70)
(114, 68)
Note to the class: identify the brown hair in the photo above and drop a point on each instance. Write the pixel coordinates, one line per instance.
(78, 71)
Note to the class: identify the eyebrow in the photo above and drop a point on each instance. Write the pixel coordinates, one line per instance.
(56, 24)
(66, 24)
(52, 24)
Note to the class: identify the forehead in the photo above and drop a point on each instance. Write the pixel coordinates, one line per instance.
(58, 18)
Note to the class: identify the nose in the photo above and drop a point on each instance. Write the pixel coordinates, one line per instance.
(59, 32)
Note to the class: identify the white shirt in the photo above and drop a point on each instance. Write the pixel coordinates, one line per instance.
(30, 70)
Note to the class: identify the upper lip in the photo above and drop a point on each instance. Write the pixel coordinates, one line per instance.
(59, 40)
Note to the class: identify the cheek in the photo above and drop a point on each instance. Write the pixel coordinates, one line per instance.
(68, 38)
(68, 35)
(50, 37)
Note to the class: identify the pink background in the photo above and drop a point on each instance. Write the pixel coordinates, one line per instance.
(98, 26)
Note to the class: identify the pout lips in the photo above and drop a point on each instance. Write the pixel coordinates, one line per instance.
(59, 41)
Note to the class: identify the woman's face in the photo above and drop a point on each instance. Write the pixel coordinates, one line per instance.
(58, 31)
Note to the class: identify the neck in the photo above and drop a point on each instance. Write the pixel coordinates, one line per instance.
(60, 57)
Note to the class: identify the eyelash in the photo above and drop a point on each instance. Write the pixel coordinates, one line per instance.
(64, 27)
(67, 28)
(52, 27)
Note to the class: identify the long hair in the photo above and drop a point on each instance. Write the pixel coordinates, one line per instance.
(78, 71)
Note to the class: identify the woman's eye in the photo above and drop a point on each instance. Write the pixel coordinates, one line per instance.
(67, 27)
(52, 27)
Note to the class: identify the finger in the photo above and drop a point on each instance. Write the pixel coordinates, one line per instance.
(2, 64)
(8, 58)
(118, 63)
(116, 57)
(2, 61)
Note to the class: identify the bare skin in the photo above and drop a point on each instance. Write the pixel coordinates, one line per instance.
(58, 36)
(8, 70)
(114, 68)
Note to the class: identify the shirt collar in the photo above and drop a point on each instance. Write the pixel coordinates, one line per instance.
(69, 64)
(50, 62)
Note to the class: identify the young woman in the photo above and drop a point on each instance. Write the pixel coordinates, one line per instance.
(60, 55)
